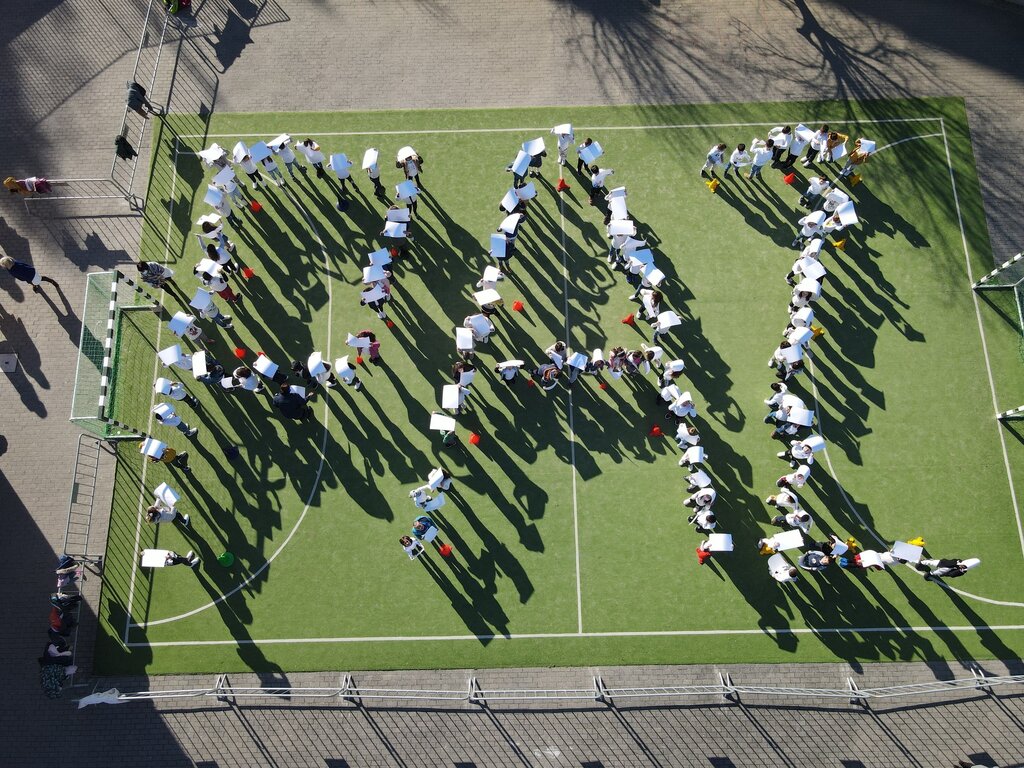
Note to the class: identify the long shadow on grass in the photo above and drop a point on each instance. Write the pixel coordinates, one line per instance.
(476, 606)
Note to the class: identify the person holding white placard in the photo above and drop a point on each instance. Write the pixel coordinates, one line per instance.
(818, 142)
(796, 518)
(371, 165)
(831, 148)
(153, 274)
(802, 451)
(509, 371)
(810, 227)
(816, 187)
(781, 137)
(795, 479)
(566, 137)
(779, 391)
(598, 176)
(161, 513)
(165, 414)
(245, 160)
(480, 325)
(949, 568)
(715, 157)
(341, 165)
(862, 151)
(783, 500)
(739, 158)
(175, 391)
(291, 404)
(581, 162)
(703, 520)
(801, 138)
(702, 499)
(411, 164)
(282, 150)
(762, 156)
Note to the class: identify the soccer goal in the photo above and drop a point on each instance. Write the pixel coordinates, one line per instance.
(119, 324)
(1009, 276)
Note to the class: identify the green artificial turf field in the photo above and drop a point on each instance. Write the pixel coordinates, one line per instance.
(571, 543)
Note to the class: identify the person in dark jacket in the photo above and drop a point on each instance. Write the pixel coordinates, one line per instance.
(25, 272)
(291, 404)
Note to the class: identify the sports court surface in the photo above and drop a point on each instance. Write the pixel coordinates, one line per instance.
(571, 545)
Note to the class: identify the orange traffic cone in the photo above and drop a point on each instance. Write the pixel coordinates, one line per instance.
(359, 359)
(248, 272)
(655, 431)
(561, 186)
(789, 178)
(255, 206)
(474, 438)
(531, 383)
(445, 550)
(603, 385)
(628, 319)
(240, 353)
(517, 306)
(390, 324)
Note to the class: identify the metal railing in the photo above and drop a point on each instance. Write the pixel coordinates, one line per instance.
(120, 178)
(473, 693)
(82, 502)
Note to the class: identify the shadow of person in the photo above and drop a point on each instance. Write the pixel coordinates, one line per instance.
(66, 316)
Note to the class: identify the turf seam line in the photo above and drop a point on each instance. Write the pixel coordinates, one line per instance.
(572, 430)
(323, 448)
(656, 126)
(584, 635)
(984, 344)
(152, 399)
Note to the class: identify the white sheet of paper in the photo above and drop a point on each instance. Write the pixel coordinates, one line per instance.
(406, 190)
(534, 147)
(374, 294)
(487, 296)
(380, 258)
(450, 396)
(870, 558)
(577, 360)
(867, 145)
(466, 378)
(373, 273)
(395, 229)
(801, 416)
(668, 319)
(792, 539)
(154, 558)
(803, 133)
(239, 152)
(277, 141)
(510, 364)
(847, 214)
(622, 227)
(405, 153)
(179, 323)
(166, 494)
(370, 158)
(491, 274)
(909, 552)
(720, 542)
(617, 206)
(815, 443)
(152, 447)
(800, 336)
(213, 153)
(259, 151)
(510, 223)
(498, 246)
(839, 152)
(590, 153)
(792, 354)
(339, 163)
(694, 454)
(527, 191)
(200, 367)
(359, 342)
(435, 478)
(463, 339)
(265, 365)
(202, 300)
(171, 355)
(653, 275)
(442, 422)
(563, 129)
(812, 268)
(521, 164)
(225, 175)
(510, 201)
(481, 325)
(399, 214)
(213, 196)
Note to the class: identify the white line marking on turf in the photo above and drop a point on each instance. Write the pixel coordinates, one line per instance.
(984, 344)
(152, 399)
(584, 635)
(323, 447)
(528, 129)
(572, 430)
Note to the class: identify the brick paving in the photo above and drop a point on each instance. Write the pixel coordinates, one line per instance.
(64, 69)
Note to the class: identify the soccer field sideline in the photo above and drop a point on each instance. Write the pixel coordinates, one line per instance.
(565, 280)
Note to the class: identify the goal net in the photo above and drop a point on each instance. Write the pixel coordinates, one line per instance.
(112, 381)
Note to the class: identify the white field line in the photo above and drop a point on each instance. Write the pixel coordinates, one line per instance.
(149, 424)
(984, 344)
(579, 635)
(534, 129)
(572, 431)
(319, 470)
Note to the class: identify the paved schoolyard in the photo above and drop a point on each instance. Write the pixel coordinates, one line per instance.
(65, 65)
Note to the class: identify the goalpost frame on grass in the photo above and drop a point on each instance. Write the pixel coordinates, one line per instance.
(1008, 276)
(99, 421)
